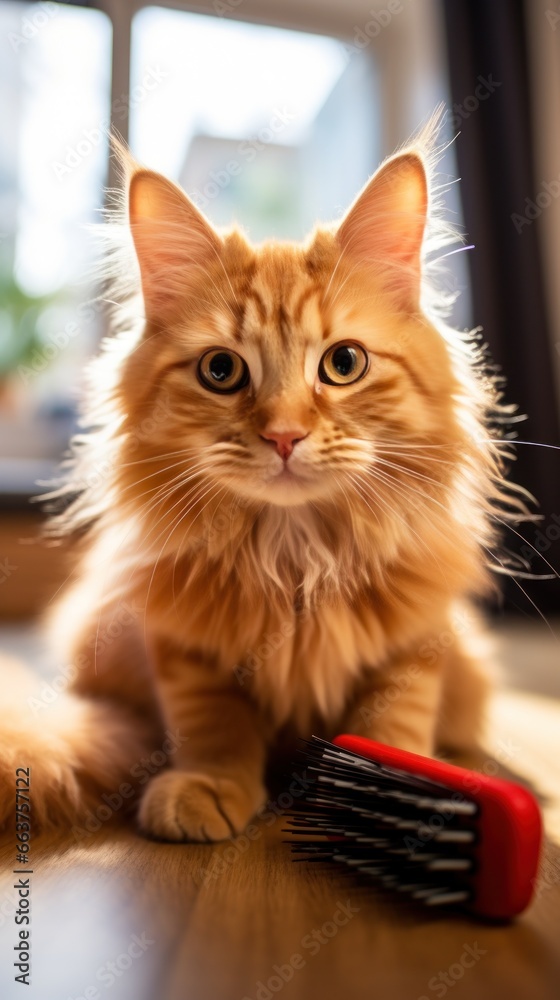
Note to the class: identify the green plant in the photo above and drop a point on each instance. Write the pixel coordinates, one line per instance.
(19, 313)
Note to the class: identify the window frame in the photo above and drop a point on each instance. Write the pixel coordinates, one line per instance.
(408, 52)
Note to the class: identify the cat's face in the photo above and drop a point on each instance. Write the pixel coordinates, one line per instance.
(291, 373)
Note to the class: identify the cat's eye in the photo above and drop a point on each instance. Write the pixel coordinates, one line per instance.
(222, 371)
(343, 364)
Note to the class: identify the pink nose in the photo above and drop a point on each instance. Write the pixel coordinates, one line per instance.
(284, 441)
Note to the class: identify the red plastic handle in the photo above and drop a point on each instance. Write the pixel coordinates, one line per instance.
(509, 826)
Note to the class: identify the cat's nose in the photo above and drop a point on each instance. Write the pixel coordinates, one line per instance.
(284, 441)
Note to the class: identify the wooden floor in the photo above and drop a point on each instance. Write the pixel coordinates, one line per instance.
(116, 915)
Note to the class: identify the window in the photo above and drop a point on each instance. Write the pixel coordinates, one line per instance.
(54, 105)
(243, 115)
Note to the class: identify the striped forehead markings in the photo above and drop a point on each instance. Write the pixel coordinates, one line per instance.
(307, 294)
(283, 323)
(247, 296)
(412, 374)
(283, 318)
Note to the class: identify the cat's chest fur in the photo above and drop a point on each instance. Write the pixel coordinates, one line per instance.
(295, 620)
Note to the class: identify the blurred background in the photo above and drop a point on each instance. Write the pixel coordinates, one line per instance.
(272, 113)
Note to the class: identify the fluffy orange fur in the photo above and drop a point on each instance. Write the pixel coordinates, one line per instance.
(274, 594)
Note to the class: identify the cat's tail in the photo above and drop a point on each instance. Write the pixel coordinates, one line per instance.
(74, 751)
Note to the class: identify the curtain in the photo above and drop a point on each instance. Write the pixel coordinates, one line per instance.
(490, 87)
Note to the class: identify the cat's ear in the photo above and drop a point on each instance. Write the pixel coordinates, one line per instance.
(384, 228)
(173, 242)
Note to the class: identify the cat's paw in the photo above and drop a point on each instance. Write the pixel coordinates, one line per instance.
(182, 805)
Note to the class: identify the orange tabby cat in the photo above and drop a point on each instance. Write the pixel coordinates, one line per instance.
(289, 487)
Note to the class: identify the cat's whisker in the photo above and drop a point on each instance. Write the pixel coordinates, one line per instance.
(406, 491)
(174, 525)
(334, 270)
(515, 441)
(154, 458)
(227, 277)
(506, 525)
(414, 454)
(179, 548)
(409, 472)
(185, 466)
(494, 556)
(413, 458)
(201, 480)
(174, 454)
(390, 483)
(373, 511)
(186, 473)
(494, 515)
(133, 570)
(447, 488)
(164, 492)
(340, 484)
(510, 527)
(339, 287)
(377, 498)
(407, 443)
(412, 488)
(217, 289)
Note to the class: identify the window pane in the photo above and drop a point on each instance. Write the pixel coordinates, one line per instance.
(54, 106)
(243, 116)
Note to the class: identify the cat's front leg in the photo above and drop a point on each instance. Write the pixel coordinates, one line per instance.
(215, 784)
(399, 706)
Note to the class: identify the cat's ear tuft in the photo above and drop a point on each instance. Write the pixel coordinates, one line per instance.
(384, 228)
(173, 242)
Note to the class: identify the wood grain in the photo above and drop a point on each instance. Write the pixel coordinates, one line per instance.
(225, 920)
(32, 568)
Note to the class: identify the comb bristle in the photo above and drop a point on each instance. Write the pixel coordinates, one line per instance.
(373, 822)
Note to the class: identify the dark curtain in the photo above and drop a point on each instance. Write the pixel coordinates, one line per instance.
(490, 87)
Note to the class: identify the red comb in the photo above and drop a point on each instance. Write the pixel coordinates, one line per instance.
(441, 833)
